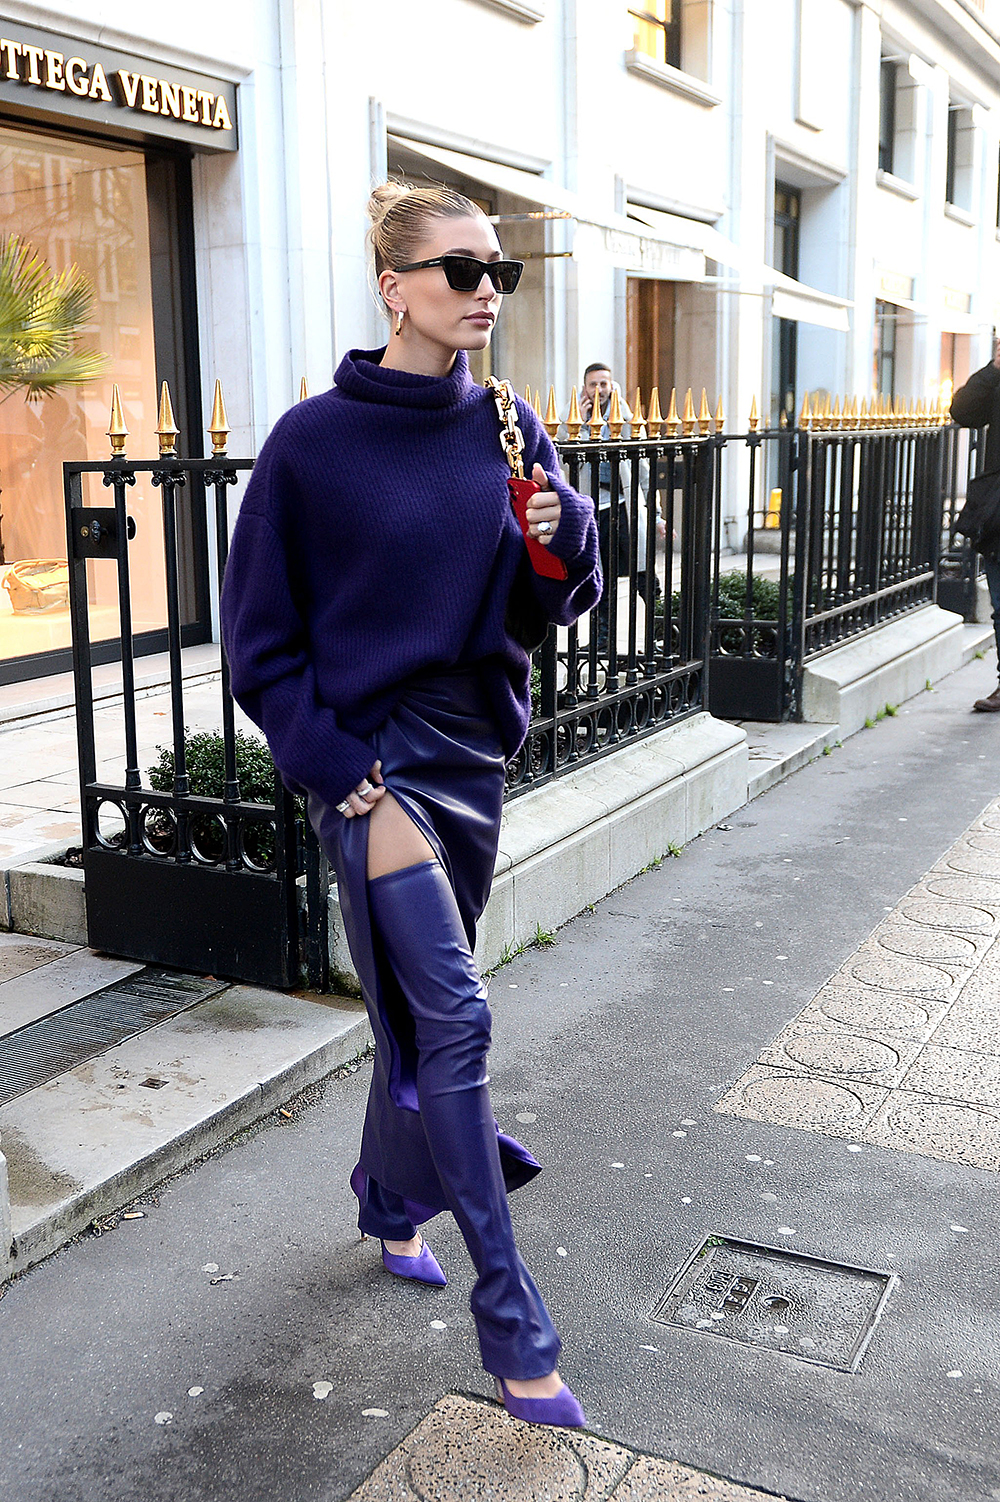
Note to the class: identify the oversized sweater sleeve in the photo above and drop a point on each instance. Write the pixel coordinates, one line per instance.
(267, 645)
(575, 539)
(973, 403)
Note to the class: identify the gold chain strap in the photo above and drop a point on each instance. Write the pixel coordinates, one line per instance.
(511, 436)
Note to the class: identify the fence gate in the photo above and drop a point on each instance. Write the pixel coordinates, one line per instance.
(203, 883)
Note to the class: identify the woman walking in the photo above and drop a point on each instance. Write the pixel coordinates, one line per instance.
(376, 574)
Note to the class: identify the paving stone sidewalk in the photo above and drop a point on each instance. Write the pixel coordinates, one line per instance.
(901, 1047)
(466, 1449)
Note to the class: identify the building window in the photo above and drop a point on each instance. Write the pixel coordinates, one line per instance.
(652, 320)
(961, 138)
(658, 30)
(887, 115)
(884, 363)
(784, 343)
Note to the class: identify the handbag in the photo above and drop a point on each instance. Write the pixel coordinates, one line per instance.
(36, 585)
(979, 519)
(526, 619)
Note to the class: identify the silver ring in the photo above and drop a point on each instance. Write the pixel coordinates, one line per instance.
(343, 808)
(545, 526)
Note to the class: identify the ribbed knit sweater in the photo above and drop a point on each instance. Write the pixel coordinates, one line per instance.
(376, 541)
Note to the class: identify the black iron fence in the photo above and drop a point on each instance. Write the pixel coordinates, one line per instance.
(846, 526)
(960, 567)
(204, 879)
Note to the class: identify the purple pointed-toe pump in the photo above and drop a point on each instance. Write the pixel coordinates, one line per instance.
(423, 1268)
(562, 1411)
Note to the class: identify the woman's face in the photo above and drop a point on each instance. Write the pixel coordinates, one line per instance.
(433, 312)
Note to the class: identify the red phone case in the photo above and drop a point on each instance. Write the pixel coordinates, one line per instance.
(542, 561)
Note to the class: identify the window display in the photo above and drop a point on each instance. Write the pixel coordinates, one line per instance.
(77, 204)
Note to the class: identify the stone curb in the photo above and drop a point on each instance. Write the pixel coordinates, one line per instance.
(44, 1132)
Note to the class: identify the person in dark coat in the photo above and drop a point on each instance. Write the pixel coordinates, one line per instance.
(977, 405)
(366, 617)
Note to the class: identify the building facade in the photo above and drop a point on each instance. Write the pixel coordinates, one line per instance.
(761, 197)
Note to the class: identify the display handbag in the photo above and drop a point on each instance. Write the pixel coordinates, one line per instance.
(526, 619)
(979, 519)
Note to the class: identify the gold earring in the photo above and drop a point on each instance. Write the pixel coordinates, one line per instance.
(399, 321)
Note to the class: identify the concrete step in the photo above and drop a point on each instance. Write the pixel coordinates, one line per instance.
(92, 1139)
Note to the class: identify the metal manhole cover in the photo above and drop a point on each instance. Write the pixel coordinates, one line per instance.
(39, 1051)
(823, 1312)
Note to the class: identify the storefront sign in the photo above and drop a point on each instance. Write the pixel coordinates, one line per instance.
(641, 255)
(956, 301)
(894, 286)
(47, 76)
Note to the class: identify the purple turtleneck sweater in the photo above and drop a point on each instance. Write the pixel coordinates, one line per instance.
(376, 541)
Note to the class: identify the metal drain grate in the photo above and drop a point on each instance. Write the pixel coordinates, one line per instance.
(823, 1312)
(38, 1052)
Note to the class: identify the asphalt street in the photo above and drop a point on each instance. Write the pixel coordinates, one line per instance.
(173, 1358)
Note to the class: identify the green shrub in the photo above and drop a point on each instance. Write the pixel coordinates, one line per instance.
(205, 756)
(766, 603)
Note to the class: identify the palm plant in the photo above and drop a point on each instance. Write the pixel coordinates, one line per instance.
(41, 315)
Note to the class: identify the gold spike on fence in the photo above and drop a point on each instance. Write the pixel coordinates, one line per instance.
(782, 418)
(704, 414)
(673, 421)
(117, 431)
(527, 395)
(551, 415)
(720, 415)
(689, 419)
(537, 402)
(595, 424)
(218, 426)
(574, 419)
(835, 414)
(804, 413)
(654, 417)
(166, 429)
(638, 421)
(616, 418)
(754, 415)
(303, 390)
(827, 412)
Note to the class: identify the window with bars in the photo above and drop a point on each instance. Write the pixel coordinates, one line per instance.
(658, 30)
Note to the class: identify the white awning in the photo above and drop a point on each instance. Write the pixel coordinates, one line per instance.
(791, 298)
(613, 238)
(794, 300)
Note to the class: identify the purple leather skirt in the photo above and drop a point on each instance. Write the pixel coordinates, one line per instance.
(442, 760)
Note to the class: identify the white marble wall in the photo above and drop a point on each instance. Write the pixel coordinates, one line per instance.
(787, 86)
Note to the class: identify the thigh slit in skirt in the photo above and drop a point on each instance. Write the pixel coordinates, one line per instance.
(430, 1140)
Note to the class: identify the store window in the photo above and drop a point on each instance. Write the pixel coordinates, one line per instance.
(114, 214)
(650, 343)
(884, 359)
(658, 30)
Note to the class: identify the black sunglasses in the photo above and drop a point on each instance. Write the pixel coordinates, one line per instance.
(464, 273)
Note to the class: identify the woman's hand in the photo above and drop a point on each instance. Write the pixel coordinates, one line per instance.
(365, 796)
(544, 509)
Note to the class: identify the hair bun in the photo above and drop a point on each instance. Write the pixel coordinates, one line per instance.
(385, 197)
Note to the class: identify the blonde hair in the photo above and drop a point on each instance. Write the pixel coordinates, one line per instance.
(400, 214)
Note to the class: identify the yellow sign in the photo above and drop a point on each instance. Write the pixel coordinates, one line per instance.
(956, 301)
(893, 285)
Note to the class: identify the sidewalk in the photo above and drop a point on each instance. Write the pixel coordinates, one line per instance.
(234, 1343)
(87, 1134)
